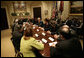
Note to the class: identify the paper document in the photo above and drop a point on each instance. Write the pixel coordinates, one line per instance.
(36, 35)
(44, 40)
(50, 44)
(50, 38)
(43, 33)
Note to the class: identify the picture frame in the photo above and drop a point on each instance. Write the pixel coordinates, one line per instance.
(19, 6)
(76, 7)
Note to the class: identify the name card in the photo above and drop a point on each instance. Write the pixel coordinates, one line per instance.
(50, 38)
(33, 27)
(50, 44)
(37, 29)
(44, 40)
(43, 33)
(36, 35)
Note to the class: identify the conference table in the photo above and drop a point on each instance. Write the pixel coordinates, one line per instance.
(46, 38)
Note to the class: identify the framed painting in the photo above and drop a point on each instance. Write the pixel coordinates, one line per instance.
(76, 7)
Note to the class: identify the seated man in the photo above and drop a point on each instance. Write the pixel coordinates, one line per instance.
(70, 47)
(58, 36)
(40, 23)
(32, 20)
(20, 21)
(77, 27)
(35, 21)
(69, 22)
(16, 35)
(46, 25)
(53, 27)
(25, 20)
(14, 23)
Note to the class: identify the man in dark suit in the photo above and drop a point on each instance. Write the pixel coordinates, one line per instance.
(69, 22)
(25, 20)
(40, 23)
(46, 25)
(16, 35)
(71, 47)
(35, 21)
(53, 27)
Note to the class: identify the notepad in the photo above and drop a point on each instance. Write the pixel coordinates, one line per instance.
(36, 35)
(37, 29)
(50, 44)
(50, 38)
(43, 33)
(44, 40)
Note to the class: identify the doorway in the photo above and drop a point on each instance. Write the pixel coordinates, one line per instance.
(4, 23)
(37, 12)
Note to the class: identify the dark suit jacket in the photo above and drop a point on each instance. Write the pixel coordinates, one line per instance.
(67, 48)
(25, 20)
(40, 24)
(54, 30)
(46, 27)
(69, 23)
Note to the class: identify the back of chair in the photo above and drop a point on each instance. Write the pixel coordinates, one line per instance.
(19, 54)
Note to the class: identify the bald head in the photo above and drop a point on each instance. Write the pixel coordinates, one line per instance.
(65, 28)
(39, 19)
(64, 31)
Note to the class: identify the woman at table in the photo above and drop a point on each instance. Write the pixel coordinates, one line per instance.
(28, 43)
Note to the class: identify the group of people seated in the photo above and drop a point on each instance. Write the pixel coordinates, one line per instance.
(23, 40)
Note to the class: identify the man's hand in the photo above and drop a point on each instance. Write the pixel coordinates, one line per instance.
(53, 45)
(48, 32)
(56, 36)
(42, 28)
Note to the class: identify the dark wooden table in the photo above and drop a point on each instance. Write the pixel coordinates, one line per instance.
(46, 51)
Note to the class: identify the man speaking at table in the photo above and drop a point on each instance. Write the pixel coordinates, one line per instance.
(71, 47)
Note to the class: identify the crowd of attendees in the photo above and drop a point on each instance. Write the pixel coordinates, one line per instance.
(70, 29)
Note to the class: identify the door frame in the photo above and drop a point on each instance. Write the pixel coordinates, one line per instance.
(32, 14)
(39, 9)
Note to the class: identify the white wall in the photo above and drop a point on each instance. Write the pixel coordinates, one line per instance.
(65, 13)
(45, 5)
